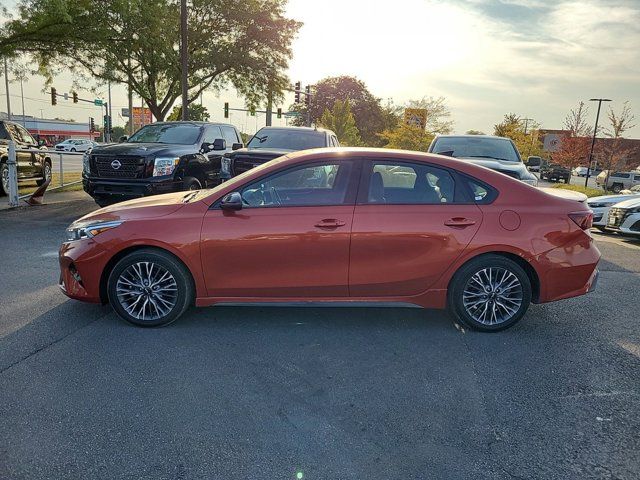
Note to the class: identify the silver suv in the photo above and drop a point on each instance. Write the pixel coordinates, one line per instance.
(618, 181)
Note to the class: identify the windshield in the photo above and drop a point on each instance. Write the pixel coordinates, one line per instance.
(174, 133)
(287, 139)
(479, 147)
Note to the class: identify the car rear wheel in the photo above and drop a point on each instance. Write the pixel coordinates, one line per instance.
(4, 179)
(616, 188)
(191, 183)
(150, 288)
(489, 293)
(46, 174)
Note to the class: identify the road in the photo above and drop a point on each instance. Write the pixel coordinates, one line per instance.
(261, 393)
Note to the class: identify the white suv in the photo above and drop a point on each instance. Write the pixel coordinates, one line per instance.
(624, 217)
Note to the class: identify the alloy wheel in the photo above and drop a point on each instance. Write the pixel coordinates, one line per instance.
(5, 179)
(492, 295)
(147, 291)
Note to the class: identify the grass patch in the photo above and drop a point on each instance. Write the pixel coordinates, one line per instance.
(55, 182)
(588, 191)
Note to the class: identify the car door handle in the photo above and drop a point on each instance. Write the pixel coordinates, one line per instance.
(459, 222)
(330, 223)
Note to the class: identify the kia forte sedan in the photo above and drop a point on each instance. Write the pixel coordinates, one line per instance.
(357, 227)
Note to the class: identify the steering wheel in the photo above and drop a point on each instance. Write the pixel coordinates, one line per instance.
(275, 196)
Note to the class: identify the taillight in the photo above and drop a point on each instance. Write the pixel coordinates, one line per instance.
(583, 219)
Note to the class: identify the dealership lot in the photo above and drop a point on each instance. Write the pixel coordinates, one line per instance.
(332, 393)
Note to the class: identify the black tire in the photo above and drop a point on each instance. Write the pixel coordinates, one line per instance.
(46, 173)
(73, 150)
(463, 279)
(4, 175)
(616, 187)
(162, 261)
(191, 183)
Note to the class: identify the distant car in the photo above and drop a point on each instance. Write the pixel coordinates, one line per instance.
(618, 181)
(497, 153)
(624, 217)
(580, 171)
(273, 142)
(602, 204)
(533, 163)
(554, 172)
(631, 191)
(75, 145)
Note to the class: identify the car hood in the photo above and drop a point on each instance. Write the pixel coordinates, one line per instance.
(631, 203)
(496, 164)
(146, 207)
(272, 152)
(566, 194)
(144, 149)
(611, 198)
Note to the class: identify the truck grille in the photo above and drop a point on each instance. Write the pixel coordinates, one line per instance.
(117, 166)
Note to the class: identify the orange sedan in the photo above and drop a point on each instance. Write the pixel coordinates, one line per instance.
(333, 227)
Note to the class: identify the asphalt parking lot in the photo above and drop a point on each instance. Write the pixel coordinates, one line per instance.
(316, 393)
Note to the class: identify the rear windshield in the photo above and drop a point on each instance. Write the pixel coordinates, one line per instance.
(287, 139)
(476, 147)
(177, 134)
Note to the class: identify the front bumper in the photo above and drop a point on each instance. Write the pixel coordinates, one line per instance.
(81, 265)
(625, 223)
(128, 189)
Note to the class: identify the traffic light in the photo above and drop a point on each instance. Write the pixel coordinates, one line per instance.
(279, 112)
(297, 92)
(107, 123)
(252, 111)
(54, 96)
(307, 97)
(92, 125)
(226, 109)
(75, 97)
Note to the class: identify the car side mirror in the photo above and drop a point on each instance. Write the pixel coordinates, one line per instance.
(237, 146)
(231, 201)
(219, 144)
(123, 138)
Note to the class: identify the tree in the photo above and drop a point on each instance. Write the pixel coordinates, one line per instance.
(246, 45)
(475, 132)
(196, 111)
(438, 114)
(575, 144)
(576, 121)
(366, 109)
(341, 121)
(615, 153)
(407, 137)
(527, 143)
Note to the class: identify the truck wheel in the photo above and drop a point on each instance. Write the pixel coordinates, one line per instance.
(46, 173)
(616, 187)
(4, 179)
(191, 183)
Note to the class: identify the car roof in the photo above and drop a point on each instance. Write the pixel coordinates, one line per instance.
(298, 129)
(472, 136)
(191, 122)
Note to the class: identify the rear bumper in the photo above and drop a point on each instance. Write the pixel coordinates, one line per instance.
(127, 189)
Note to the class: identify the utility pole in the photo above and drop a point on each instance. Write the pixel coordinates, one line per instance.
(184, 59)
(526, 123)
(6, 86)
(24, 121)
(109, 110)
(269, 106)
(593, 140)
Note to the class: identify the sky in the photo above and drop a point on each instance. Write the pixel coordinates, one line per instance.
(535, 58)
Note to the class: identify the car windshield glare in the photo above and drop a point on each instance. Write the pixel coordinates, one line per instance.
(287, 139)
(481, 147)
(178, 134)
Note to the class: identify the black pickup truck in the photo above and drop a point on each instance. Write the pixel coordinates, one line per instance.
(34, 165)
(273, 142)
(161, 157)
(554, 172)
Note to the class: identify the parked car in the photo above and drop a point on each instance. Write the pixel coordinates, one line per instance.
(159, 158)
(602, 204)
(554, 172)
(624, 217)
(32, 165)
(273, 142)
(618, 181)
(75, 145)
(497, 153)
(533, 163)
(338, 226)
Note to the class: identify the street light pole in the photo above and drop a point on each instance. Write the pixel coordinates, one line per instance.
(184, 58)
(593, 140)
(6, 86)
(526, 123)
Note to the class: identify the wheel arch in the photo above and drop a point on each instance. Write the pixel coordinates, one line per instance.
(522, 262)
(111, 263)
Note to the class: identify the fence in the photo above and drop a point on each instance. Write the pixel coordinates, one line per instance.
(14, 197)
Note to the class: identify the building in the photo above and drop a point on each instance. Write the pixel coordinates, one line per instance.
(52, 131)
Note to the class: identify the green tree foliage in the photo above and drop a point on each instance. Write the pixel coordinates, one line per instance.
(438, 114)
(513, 127)
(196, 111)
(341, 121)
(474, 132)
(366, 109)
(407, 137)
(246, 45)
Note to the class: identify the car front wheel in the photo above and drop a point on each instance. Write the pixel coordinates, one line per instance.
(150, 288)
(489, 293)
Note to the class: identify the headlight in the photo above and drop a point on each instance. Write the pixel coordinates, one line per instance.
(164, 166)
(78, 232)
(531, 181)
(225, 165)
